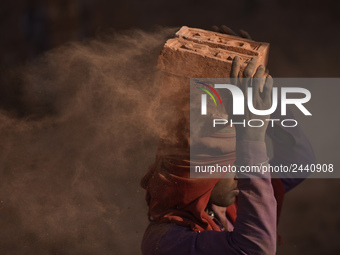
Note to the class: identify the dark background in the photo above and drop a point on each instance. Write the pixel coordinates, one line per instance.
(304, 38)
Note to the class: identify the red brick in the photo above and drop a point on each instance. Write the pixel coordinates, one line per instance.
(197, 53)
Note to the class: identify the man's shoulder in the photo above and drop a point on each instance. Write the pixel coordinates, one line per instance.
(163, 236)
(156, 231)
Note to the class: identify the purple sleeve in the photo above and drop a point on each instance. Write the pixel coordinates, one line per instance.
(290, 146)
(254, 229)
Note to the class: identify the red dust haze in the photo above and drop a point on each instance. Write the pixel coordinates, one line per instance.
(71, 161)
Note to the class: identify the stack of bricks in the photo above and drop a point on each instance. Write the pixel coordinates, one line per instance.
(197, 53)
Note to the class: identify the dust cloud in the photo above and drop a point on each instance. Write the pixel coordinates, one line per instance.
(75, 145)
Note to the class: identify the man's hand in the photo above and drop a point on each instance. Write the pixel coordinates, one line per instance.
(226, 30)
(261, 99)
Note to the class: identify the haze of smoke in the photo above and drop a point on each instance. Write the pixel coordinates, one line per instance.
(71, 162)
